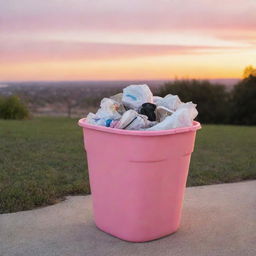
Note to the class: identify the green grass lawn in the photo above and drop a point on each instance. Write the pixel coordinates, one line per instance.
(42, 160)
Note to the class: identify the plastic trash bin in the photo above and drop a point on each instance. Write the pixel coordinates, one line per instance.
(138, 179)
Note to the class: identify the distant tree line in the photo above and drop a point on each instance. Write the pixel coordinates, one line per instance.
(215, 103)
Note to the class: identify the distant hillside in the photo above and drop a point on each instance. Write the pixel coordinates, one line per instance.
(107, 83)
(75, 97)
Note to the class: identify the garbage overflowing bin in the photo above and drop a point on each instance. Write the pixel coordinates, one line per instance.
(138, 179)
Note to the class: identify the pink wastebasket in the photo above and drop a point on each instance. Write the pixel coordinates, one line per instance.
(138, 179)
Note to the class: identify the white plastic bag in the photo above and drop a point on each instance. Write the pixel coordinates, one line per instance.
(93, 119)
(182, 117)
(131, 120)
(135, 95)
(157, 100)
(109, 109)
(170, 101)
(108, 112)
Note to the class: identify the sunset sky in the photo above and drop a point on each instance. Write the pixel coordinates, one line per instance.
(132, 39)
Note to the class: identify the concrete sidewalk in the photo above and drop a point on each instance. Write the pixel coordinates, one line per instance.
(217, 220)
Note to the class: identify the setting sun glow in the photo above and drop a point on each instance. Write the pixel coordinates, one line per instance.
(106, 40)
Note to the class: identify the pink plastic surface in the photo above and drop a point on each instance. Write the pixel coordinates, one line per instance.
(138, 179)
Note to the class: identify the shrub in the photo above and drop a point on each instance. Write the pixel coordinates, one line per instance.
(244, 102)
(212, 99)
(13, 108)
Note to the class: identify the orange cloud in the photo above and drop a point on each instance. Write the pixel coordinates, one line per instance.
(155, 67)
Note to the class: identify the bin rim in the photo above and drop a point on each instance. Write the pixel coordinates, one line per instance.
(82, 122)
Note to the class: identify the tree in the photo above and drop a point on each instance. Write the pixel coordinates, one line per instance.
(249, 71)
(244, 102)
(13, 108)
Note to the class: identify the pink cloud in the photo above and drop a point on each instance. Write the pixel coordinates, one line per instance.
(132, 15)
(26, 51)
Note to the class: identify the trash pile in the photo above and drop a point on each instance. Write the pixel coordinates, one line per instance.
(137, 109)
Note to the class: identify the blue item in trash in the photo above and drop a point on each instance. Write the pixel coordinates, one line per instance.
(108, 122)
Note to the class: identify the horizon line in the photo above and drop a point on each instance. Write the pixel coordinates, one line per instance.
(117, 80)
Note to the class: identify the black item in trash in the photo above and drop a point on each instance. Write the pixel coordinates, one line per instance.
(148, 109)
